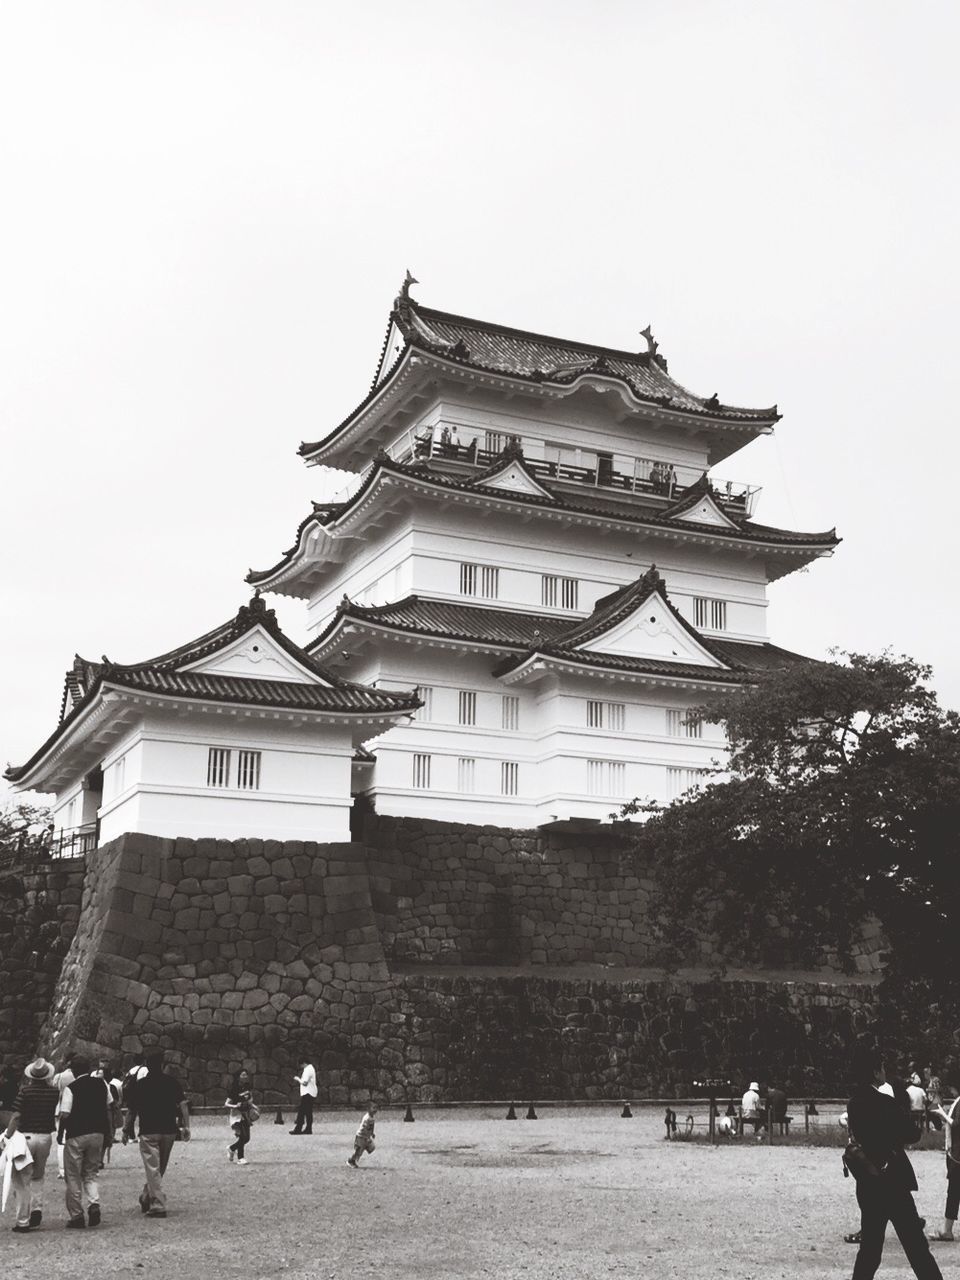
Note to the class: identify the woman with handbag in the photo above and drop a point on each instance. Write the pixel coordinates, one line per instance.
(879, 1128)
(243, 1113)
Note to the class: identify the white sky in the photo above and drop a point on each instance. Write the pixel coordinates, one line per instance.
(207, 208)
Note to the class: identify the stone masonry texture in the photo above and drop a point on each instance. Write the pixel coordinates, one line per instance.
(433, 962)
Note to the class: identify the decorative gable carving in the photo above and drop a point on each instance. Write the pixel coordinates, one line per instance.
(256, 655)
(515, 478)
(705, 511)
(652, 631)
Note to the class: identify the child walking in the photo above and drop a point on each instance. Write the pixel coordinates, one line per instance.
(243, 1112)
(363, 1140)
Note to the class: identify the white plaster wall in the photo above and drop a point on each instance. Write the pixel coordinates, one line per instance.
(551, 746)
(304, 779)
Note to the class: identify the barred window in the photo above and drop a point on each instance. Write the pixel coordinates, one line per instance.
(421, 771)
(606, 778)
(681, 725)
(480, 579)
(425, 693)
(113, 778)
(466, 774)
(218, 767)
(509, 777)
(556, 592)
(493, 441)
(467, 710)
(674, 723)
(606, 715)
(510, 711)
(682, 780)
(248, 770)
(710, 613)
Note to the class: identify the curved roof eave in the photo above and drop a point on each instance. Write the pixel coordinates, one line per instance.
(558, 386)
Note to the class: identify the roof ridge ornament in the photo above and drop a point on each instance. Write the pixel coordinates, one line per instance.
(402, 301)
(512, 451)
(256, 613)
(713, 402)
(653, 346)
(653, 581)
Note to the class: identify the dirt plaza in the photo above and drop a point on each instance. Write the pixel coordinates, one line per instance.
(461, 1192)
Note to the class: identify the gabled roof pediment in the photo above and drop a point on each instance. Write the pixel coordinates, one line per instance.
(256, 654)
(699, 505)
(512, 476)
(652, 630)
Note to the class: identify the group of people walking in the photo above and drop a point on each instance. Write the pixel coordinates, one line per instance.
(80, 1108)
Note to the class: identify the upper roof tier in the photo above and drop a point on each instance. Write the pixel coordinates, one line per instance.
(423, 345)
(247, 662)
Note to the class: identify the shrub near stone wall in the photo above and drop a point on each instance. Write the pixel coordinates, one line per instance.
(39, 909)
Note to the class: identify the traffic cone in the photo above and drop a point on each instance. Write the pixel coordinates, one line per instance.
(531, 1113)
(626, 1113)
(511, 1112)
(408, 1117)
(278, 1118)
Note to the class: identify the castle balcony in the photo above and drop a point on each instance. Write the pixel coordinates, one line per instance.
(34, 846)
(563, 467)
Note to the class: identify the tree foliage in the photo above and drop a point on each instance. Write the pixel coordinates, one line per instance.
(22, 824)
(842, 800)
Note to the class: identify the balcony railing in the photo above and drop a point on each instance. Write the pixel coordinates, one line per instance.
(36, 846)
(611, 472)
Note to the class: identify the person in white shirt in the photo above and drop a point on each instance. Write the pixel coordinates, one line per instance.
(307, 1080)
(918, 1105)
(751, 1112)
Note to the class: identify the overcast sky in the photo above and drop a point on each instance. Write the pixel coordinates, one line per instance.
(207, 208)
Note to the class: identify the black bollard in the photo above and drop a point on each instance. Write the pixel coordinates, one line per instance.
(812, 1108)
(531, 1113)
(408, 1117)
(511, 1112)
(278, 1118)
(626, 1113)
(731, 1110)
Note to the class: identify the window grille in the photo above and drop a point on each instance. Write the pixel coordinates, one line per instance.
(466, 774)
(693, 728)
(248, 770)
(421, 771)
(509, 712)
(710, 613)
(674, 723)
(480, 579)
(425, 693)
(218, 767)
(606, 778)
(493, 441)
(509, 778)
(556, 591)
(115, 777)
(467, 708)
(606, 715)
(681, 780)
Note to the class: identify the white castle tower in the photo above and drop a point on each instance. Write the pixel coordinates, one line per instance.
(536, 546)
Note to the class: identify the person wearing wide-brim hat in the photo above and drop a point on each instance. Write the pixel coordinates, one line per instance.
(33, 1119)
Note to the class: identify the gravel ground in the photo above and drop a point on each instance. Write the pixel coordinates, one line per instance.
(462, 1193)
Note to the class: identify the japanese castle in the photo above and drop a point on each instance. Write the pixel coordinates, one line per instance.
(531, 579)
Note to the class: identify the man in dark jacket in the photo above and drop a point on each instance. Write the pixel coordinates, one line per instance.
(881, 1125)
(159, 1103)
(84, 1129)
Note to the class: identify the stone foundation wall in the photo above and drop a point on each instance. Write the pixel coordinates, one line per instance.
(447, 893)
(39, 910)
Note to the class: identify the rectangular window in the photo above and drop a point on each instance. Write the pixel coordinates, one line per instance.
(606, 715)
(480, 580)
(679, 726)
(248, 770)
(466, 774)
(681, 780)
(425, 693)
(421, 771)
(218, 767)
(693, 728)
(606, 778)
(674, 723)
(510, 712)
(493, 441)
(509, 778)
(467, 710)
(710, 613)
(556, 592)
(114, 778)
